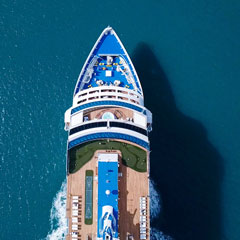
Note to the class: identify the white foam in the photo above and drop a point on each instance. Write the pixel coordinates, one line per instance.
(155, 201)
(58, 215)
(158, 235)
(58, 219)
(155, 207)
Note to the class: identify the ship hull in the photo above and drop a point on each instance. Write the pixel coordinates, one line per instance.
(108, 148)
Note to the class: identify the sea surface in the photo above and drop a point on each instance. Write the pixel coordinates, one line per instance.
(187, 55)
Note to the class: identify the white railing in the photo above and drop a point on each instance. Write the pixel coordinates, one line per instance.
(108, 129)
(107, 92)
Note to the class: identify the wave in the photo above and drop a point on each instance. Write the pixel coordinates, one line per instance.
(58, 215)
(58, 219)
(155, 208)
(158, 235)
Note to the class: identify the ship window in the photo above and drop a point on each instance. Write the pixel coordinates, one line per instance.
(82, 101)
(87, 126)
(93, 92)
(91, 98)
(124, 92)
(81, 95)
(128, 126)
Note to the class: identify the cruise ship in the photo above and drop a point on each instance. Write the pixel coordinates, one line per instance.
(108, 148)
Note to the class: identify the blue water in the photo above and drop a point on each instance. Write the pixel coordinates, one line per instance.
(109, 171)
(187, 56)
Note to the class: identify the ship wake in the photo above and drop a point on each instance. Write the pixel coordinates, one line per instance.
(155, 208)
(58, 215)
(155, 201)
(58, 219)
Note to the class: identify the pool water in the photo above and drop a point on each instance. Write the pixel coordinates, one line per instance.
(108, 115)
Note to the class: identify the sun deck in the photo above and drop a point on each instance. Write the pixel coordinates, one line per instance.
(108, 65)
(113, 74)
(132, 185)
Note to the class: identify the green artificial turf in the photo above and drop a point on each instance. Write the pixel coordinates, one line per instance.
(89, 198)
(132, 156)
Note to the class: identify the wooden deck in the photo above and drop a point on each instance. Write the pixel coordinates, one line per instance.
(132, 186)
(76, 187)
(119, 113)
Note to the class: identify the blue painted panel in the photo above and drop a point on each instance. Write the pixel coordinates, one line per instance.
(108, 44)
(105, 135)
(112, 103)
(108, 177)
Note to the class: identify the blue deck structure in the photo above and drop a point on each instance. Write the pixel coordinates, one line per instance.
(97, 65)
(108, 135)
(108, 103)
(107, 196)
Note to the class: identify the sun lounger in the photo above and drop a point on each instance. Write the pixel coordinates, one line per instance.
(143, 212)
(75, 220)
(74, 228)
(142, 218)
(143, 224)
(74, 234)
(75, 213)
(143, 200)
(143, 236)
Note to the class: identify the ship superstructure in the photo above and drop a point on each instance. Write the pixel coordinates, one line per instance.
(108, 148)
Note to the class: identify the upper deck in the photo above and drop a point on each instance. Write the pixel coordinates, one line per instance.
(108, 64)
(98, 185)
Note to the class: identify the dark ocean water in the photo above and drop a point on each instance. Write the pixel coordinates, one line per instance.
(187, 57)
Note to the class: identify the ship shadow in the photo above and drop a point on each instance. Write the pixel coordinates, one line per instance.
(186, 168)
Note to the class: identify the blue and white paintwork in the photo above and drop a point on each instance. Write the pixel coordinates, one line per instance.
(108, 79)
(108, 56)
(108, 84)
(107, 227)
